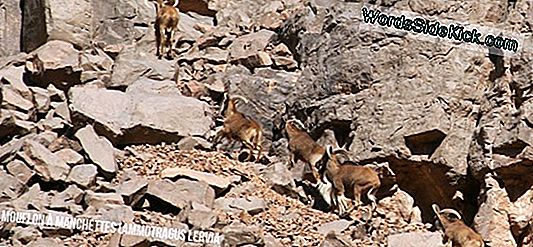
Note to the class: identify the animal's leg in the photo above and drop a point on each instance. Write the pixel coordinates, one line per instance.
(339, 194)
(217, 138)
(250, 147)
(161, 43)
(170, 43)
(371, 194)
(326, 190)
(357, 199)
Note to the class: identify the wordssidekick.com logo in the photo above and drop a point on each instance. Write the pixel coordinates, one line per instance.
(453, 32)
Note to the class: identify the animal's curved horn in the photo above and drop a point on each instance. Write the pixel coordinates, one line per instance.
(341, 150)
(329, 150)
(224, 100)
(451, 211)
(298, 122)
(176, 3)
(240, 97)
(436, 209)
(383, 165)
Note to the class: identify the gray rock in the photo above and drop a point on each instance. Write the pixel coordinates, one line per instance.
(14, 100)
(192, 142)
(413, 239)
(336, 226)
(60, 65)
(252, 205)
(133, 241)
(141, 118)
(20, 170)
(70, 156)
(68, 199)
(42, 99)
(61, 109)
(201, 216)
(83, 175)
(46, 242)
(248, 49)
(10, 33)
(24, 235)
(33, 198)
(219, 183)
(99, 150)
(132, 65)
(14, 76)
(98, 199)
(133, 190)
(47, 165)
(180, 193)
(334, 240)
(112, 212)
(46, 138)
(240, 234)
(11, 187)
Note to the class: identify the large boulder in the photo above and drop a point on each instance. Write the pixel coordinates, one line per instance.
(141, 117)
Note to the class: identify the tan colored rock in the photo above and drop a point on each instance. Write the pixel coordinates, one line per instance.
(11, 186)
(16, 101)
(141, 117)
(70, 156)
(83, 175)
(491, 221)
(218, 182)
(246, 49)
(335, 226)
(13, 76)
(46, 164)
(99, 199)
(415, 239)
(20, 170)
(181, 192)
(99, 150)
(133, 190)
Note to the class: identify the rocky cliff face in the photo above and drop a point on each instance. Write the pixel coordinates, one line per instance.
(92, 124)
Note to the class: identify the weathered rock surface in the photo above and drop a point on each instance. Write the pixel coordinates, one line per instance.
(180, 193)
(20, 170)
(99, 150)
(47, 165)
(140, 118)
(415, 239)
(217, 182)
(133, 190)
(83, 175)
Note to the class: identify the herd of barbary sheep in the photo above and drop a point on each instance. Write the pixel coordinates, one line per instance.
(336, 181)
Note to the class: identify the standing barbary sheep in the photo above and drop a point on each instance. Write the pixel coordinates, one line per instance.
(303, 147)
(240, 127)
(166, 23)
(455, 229)
(347, 179)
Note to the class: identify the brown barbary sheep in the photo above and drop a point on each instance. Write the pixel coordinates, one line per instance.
(303, 147)
(166, 24)
(239, 127)
(455, 230)
(348, 179)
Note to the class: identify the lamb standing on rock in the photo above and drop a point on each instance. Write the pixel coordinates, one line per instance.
(166, 24)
